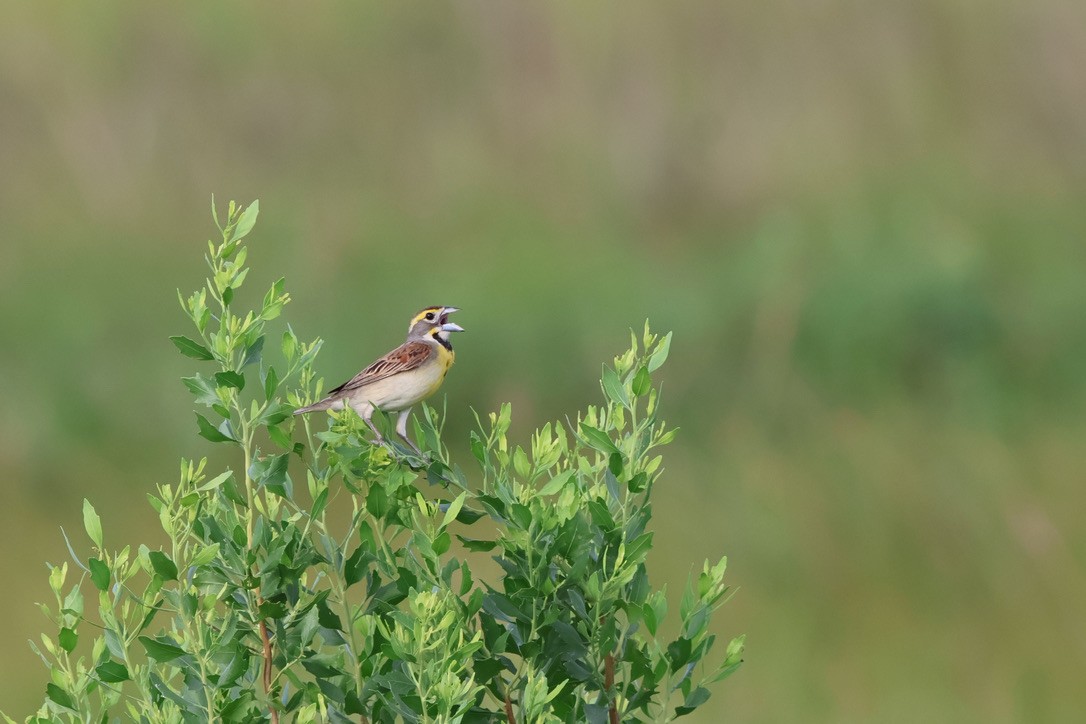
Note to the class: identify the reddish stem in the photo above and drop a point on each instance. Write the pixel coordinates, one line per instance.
(609, 683)
(268, 667)
(509, 710)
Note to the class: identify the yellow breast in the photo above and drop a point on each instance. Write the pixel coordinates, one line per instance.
(445, 359)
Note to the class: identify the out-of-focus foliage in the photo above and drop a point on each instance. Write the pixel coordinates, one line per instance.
(864, 223)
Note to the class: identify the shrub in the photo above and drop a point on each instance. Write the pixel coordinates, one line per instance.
(325, 578)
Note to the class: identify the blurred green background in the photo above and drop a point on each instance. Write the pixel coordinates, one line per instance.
(865, 223)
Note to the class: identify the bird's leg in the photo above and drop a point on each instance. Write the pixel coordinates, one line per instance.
(401, 430)
(380, 440)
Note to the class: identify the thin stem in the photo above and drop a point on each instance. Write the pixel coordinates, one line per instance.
(265, 639)
(509, 715)
(609, 683)
(341, 593)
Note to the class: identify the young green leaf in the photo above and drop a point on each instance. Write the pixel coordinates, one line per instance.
(92, 523)
(454, 509)
(271, 383)
(598, 439)
(229, 378)
(99, 572)
(557, 483)
(111, 672)
(210, 432)
(202, 389)
(216, 481)
(659, 355)
(189, 348)
(163, 566)
(246, 221)
(161, 650)
(613, 388)
(59, 696)
(68, 639)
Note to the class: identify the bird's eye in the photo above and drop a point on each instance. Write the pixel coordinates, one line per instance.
(429, 316)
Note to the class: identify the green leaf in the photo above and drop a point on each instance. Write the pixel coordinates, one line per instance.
(92, 523)
(272, 609)
(276, 414)
(189, 348)
(290, 345)
(642, 382)
(237, 666)
(239, 709)
(68, 639)
(696, 698)
(274, 300)
(161, 650)
(612, 484)
(667, 437)
(202, 389)
(377, 502)
(522, 515)
(210, 432)
(556, 483)
(271, 472)
(454, 509)
(441, 543)
(279, 436)
(648, 615)
(163, 566)
(99, 574)
(477, 447)
(112, 672)
(614, 464)
(216, 481)
(601, 516)
(734, 653)
(659, 355)
(678, 653)
(271, 383)
(477, 546)
(357, 565)
(365, 535)
(59, 696)
(520, 462)
(205, 555)
(598, 439)
(639, 547)
(253, 352)
(319, 504)
(229, 378)
(613, 388)
(246, 221)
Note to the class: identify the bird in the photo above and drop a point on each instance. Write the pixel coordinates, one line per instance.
(401, 378)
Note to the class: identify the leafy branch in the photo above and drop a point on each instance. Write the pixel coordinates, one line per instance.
(368, 592)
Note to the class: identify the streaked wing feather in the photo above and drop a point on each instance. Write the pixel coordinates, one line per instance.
(406, 357)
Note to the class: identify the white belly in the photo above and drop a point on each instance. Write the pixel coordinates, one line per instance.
(400, 391)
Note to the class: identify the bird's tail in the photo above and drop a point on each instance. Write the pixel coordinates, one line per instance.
(322, 405)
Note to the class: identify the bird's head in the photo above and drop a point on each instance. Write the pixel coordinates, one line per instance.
(433, 322)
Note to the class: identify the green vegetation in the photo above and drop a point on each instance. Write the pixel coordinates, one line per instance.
(262, 604)
(864, 223)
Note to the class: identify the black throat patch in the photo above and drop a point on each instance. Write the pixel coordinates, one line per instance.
(443, 342)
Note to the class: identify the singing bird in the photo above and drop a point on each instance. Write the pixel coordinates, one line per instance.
(405, 376)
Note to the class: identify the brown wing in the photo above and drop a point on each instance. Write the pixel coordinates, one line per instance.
(404, 358)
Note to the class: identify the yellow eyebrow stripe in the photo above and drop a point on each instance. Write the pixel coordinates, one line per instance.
(421, 315)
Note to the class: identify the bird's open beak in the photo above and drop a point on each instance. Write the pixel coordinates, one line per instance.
(446, 325)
